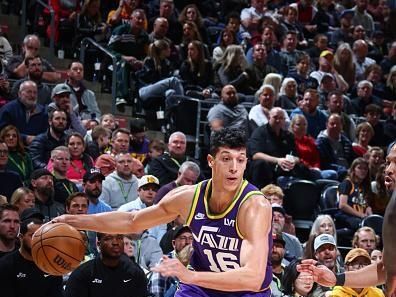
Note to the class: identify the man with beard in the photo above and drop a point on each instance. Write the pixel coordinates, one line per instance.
(278, 264)
(228, 113)
(110, 274)
(34, 68)
(60, 158)
(20, 277)
(92, 186)
(24, 113)
(43, 144)
(120, 186)
(42, 185)
(9, 226)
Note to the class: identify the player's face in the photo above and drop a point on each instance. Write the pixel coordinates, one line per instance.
(79, 205)
(390, 171)
(326, 255)
(228, 166)
(9, 225)
(182, 241)
(27, 237)
(112, 245)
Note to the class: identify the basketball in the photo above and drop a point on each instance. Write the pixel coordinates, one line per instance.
(57, 248)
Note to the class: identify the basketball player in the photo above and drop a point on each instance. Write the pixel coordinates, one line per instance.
(377, 273)
(229, 218)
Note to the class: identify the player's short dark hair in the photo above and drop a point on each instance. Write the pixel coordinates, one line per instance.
(227, 137)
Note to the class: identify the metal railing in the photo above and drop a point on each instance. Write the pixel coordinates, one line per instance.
(84, 44)
(52, 22)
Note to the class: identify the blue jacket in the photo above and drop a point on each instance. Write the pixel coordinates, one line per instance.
(14, 113)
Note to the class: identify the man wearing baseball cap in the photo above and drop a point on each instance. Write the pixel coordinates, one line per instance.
(357, 259)
(148, 186)
(61, 101)
(278, 263)
(92, 185)
(182, 248)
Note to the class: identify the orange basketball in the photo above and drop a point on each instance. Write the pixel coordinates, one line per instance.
(57, 248)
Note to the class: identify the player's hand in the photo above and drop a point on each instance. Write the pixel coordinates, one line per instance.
(60, 219)
(321, 274)
(172, 267)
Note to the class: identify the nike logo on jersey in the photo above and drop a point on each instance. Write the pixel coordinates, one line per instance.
(97, 281)
(127, 280)
(46, 275)
(200, 216)
(21, 275)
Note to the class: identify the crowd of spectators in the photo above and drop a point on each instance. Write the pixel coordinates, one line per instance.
(313, 84)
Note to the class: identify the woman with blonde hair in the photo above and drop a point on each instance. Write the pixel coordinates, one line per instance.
(23, 198)
(364, 133)
(288, 94)
(275, 80)
(343, 63)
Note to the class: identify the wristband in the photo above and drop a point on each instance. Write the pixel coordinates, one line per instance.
(340, 279)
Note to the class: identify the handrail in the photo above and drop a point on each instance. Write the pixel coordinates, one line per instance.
(84, 44)
(52, 23)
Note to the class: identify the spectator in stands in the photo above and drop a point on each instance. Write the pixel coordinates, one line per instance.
(166, 166)
(291, 23)
(373, 112)
(229, 112)
(60, 164)
(82, 99)
(156, 79)
(362, 17)
(250, 18)
(360, 50)
(307, 151)
(19, 273)
(294, 282)
(293, 246)
(355, 195)
(120, 186)
(166, 10)
(320, 45)
(11, 179)
(9, 222)
(335, 104)
(301, 72)
(355, 260)
(364, 133)
(157, 148)
(390, 88)
(191, 13)
(5, 50)
(259, 69)
(326, 68)
(308, 106)
(117, 274)
(188, 175)
(382, 195)
(43, 144)
(62, 101)
(92, 186)
(288, 94)
(34, 73)
(120, 141)
(22, 198)
(182, 238)
(147, 189)
(389, 61)
(123, 13)
(129, 42)
(19, 160)
(375, 159)
(16, 67)
(190, 33)
(275, 80)
(278, 264)
(25, 113)
(364, 98)
(344, 64)
(259, 114)
(373, 74)
(197, 72)
(80, 161)
(289, 53)
(138, 145)
(42, 184)
(106, 164)
(100, 141)
(365, 238)
(337, 159)
(147, 251)
(108, 121)
(226, 38)
(376, 256)
(231, 70)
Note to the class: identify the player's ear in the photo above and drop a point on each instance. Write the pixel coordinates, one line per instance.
(210, 159)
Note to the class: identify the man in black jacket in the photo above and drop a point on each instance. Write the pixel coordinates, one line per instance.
(110, 274)
(43, 144)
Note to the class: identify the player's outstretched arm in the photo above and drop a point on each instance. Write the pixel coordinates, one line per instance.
(254, 221)
(374, 275)
(176, 202)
